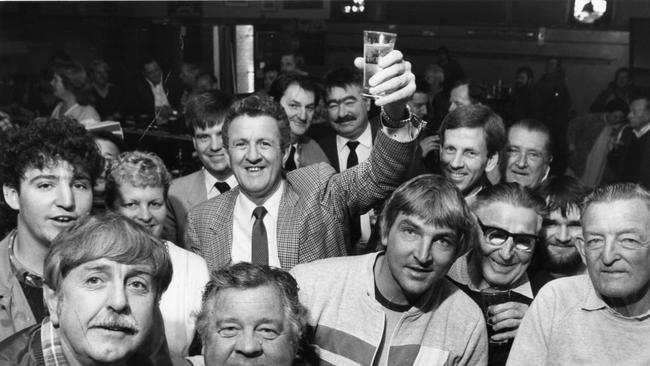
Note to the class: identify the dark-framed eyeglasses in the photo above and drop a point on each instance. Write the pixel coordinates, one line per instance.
(497, 237)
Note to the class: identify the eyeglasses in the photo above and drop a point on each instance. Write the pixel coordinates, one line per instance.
(497, 237)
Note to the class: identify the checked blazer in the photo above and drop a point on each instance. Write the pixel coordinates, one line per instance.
(314, 208)
(184, 193)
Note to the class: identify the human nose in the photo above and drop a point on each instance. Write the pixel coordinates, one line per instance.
(457, 160)
(609, 254)
(65, 198)
(252, 153)
(143, 213)
(302, 114)
(522, 161)
(507, 249)
(248, 344)
(117, 298)
(423, 252)
(215, 143)
(563, 235)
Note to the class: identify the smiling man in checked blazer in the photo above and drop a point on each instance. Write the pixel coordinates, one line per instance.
(285, 219)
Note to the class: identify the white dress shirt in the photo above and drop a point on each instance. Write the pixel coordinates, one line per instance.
(242, 228)
(210, 180)
(159, 95)
(363, 153)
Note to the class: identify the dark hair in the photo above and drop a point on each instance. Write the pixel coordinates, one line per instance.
(477, 116)
(46, 142)
(537, 126)
(138, 168)
(109, 136)
(436, 201)
(525, 70)
(74, 78)
(562, 192)
(512, 193)
(616, 192)
(342, 78)
(255, 106)
(207, 109)
(477, 92)
(283, 82)
(244, 276)
(297, 57)
(107, 236)
(617, 104)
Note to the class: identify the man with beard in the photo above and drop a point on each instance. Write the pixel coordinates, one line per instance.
(298, 96)
(598, 318)
(349, 140)
(561, 229)
(103, 278)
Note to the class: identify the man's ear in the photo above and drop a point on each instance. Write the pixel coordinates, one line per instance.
(580, 245)
(492, 163)
(52, 302)
(11, 196)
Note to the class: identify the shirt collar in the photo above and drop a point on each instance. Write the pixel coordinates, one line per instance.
(210, 180)
(642, 131)
(51, 343)
(365, 139)
(272, 204)
(465, 274)
(593, 302)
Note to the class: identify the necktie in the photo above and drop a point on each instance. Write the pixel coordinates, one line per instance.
(260, 248)
(290, 164)
(355, 222)
(353, 159)
(222, 187)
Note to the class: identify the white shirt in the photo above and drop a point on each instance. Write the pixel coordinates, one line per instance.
(159, 95)
(363, 153)
(242, 228)
(642, 131)
(210, 180)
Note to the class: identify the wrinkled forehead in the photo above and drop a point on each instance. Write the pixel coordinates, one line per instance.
(525, 138)
(350, 90)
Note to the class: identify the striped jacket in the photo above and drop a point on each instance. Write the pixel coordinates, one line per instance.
(347, 324)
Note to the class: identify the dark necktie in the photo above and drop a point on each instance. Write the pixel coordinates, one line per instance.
(260, 248)
(222, 187)
(353, 159)
(355, 221)
(291, 161)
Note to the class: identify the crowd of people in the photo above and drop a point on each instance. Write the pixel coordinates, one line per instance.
(429, 226)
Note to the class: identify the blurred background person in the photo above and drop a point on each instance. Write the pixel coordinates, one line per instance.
(71, 86)
(107, 96)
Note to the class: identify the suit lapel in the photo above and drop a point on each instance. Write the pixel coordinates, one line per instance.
(222, 234)
(197, 193)
(288, 234)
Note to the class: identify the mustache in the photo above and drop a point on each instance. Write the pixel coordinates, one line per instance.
(120, 324)
(344, 119)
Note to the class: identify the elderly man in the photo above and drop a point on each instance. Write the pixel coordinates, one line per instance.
(471, 137)
(396, 307)
(600, 318)
(251, 315)
(103, 279)
(509, 217)
(298, 95)
(557, 254)
(528, 153)
(205, 113)
(285, 219)
(47, 169)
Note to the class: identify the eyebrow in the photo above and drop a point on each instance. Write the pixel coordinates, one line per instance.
(343, 100)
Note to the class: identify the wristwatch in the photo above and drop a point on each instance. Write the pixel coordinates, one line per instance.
(391, 123)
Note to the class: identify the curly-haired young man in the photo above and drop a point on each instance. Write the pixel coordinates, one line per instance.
(47, 171)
